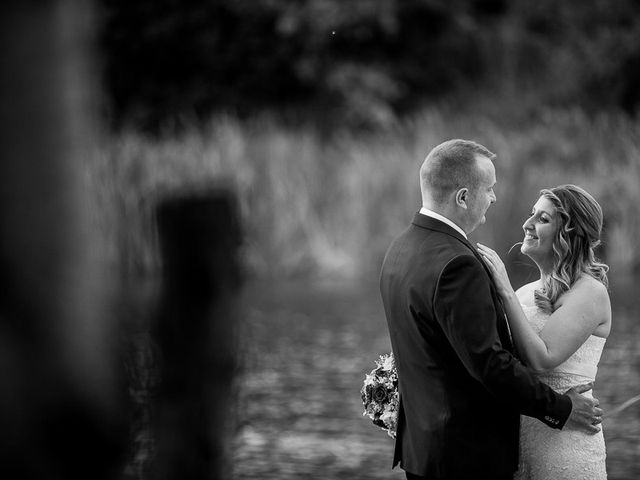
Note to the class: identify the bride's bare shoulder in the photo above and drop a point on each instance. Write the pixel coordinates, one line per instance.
(589, 289)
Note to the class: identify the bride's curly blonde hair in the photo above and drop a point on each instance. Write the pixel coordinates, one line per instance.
(578, 235)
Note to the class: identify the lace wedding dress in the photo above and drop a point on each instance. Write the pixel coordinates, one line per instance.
(549, 454)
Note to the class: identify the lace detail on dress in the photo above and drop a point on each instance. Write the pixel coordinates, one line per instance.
(548, 454)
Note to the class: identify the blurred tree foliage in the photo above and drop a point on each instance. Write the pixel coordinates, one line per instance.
(361, 62)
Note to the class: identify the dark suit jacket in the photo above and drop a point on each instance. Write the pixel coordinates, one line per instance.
(461, 389)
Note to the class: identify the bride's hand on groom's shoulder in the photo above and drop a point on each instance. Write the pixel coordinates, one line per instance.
(586, 414)
(497, 269)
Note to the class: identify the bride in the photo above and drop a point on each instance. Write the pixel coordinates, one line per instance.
(560, 324)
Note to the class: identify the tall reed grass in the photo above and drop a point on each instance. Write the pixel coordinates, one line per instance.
(313, 204)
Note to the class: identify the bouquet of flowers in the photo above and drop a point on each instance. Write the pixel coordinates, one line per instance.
(380, 395)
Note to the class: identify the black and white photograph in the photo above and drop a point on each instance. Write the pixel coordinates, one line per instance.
(320, 239)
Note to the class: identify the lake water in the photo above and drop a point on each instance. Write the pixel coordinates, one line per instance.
(308, 347)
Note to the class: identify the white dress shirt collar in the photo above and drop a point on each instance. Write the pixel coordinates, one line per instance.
(437, 216)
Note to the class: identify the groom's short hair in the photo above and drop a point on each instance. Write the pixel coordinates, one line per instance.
(451, 166)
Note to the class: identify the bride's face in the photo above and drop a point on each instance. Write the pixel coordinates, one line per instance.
(540, 231)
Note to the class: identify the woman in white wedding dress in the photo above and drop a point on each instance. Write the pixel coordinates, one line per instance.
(559, 324)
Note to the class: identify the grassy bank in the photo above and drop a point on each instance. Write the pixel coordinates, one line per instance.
(313, 204)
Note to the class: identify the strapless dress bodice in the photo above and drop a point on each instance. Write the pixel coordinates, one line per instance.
(581, 367)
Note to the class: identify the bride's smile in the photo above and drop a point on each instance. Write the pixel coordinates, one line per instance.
(540, 230)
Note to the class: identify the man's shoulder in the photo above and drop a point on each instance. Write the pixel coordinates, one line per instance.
(463, 260)
(419, 246)
(434, 242)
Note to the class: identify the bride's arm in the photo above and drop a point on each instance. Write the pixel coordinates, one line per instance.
(524, 337)
(583, 309)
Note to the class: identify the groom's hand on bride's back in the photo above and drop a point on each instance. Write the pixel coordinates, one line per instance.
(586, 413)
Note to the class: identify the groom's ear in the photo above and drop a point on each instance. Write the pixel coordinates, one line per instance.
(461, 197)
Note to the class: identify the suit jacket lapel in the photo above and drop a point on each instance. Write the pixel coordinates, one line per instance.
(433, 224)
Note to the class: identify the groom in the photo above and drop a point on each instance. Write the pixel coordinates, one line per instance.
(461, 389)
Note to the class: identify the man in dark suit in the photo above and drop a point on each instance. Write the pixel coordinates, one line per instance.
(461, 389)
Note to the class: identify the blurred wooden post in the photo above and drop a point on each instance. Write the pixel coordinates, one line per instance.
(196, 333)
(60, 413)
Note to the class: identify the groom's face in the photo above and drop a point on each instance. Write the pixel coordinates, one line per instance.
(483, 196)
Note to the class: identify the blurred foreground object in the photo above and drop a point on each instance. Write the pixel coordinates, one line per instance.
(61, 413)
(196, 336)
